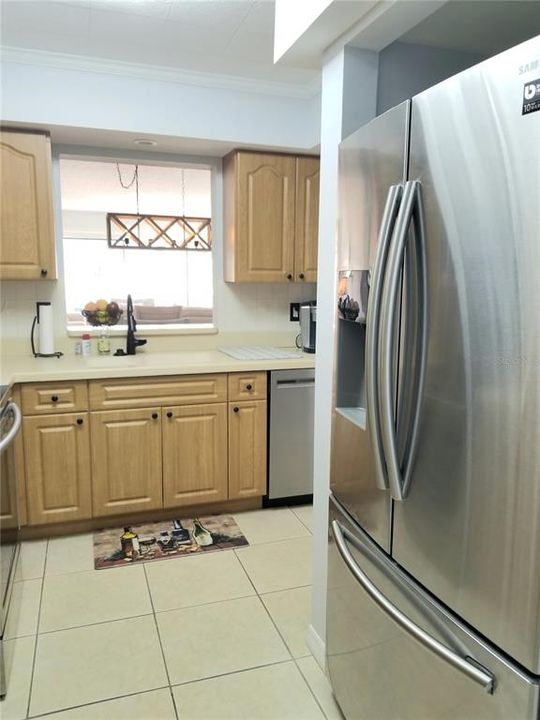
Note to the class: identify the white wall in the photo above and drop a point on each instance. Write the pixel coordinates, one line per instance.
(349, 91)
(44, 96)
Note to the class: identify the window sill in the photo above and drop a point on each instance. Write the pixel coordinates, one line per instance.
(143, 330)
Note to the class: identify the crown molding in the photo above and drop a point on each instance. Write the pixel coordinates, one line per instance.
(159, 73)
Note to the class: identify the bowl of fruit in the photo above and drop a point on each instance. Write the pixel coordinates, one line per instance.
(102, 312)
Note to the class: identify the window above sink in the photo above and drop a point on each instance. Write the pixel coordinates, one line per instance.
(169, 274)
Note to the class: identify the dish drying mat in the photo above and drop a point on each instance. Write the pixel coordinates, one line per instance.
(261, 352)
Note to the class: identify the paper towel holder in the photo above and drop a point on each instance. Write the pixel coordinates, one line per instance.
(36, 320)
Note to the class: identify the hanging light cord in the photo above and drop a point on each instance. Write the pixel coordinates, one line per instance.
(183, 181)
(127, 186)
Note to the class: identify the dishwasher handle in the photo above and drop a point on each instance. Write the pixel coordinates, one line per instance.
(300, 382)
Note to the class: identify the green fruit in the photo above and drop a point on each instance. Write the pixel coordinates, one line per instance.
(102, 316)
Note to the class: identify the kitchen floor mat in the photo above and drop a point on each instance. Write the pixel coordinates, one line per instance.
(146, 542)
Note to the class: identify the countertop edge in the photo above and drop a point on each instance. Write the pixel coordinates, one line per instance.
(89, 371)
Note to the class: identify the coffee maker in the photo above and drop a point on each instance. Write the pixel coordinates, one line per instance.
(308, 326)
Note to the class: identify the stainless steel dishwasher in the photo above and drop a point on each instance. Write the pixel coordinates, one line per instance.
(290, 474)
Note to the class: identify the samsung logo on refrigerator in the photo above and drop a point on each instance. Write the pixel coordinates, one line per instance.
(531, 97)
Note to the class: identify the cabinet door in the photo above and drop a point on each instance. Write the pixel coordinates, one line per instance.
(194, 454)
(126, 461)
(265, 207)
(57, 462)
(27, 245)
(8, 490)
(307, 219)
(247, 449)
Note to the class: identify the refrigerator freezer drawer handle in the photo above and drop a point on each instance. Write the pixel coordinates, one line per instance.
(475, 672)
(372, 330)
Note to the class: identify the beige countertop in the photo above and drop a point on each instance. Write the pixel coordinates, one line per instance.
(25, 368)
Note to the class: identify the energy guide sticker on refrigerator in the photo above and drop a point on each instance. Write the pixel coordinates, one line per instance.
(434, 560)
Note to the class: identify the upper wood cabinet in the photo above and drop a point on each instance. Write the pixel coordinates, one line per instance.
(306, 235)
(57, 460)
(271, 217)
(27, 243)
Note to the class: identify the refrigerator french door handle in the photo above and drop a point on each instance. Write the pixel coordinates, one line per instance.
(410, 209)
(474, 672)
(372, 330)
(421, 346)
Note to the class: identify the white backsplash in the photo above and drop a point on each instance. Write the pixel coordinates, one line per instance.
(258, 309)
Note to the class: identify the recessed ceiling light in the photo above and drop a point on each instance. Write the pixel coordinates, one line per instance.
(145, 141)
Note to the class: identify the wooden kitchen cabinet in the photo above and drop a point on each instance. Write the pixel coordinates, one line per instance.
(271, 210)
(44, 398)
(202, 441)
(247, 449)
(306, 235)
(194, 454)
(57, 462)
(126, 461)
(259, 217)
(27, 242)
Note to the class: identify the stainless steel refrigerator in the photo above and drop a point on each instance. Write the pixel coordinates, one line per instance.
(434, 540)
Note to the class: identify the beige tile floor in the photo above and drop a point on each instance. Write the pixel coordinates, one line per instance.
(219, 636)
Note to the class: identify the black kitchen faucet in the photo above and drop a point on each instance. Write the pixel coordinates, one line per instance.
(132, 342)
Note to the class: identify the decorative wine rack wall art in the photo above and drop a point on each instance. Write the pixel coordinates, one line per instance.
(132, 231)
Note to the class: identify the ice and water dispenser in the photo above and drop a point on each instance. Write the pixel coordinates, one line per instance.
(353, 289)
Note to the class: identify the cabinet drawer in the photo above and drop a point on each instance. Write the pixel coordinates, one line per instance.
(44, 398)
(148, 392)
(247, 386)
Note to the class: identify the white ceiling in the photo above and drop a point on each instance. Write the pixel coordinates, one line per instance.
(224, 37)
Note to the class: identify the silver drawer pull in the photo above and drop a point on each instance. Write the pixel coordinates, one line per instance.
(474, 672)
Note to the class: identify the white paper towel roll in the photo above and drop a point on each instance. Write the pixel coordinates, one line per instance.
(45, 330)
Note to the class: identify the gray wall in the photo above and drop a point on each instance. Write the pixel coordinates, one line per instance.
(406, 69)
(360, 73)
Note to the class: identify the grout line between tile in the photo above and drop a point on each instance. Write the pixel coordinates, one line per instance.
(37, 632)
(275, 592)
(300, 519)
(273, 542)
(173, 700)
(99, 702)
(158, 633)
(92, 624)
(203, 604)
(234, 672)
(309, 686)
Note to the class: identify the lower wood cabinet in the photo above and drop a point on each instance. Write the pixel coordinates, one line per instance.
(194, 454)
(98, 463)
(126, 461)
(247, 449)
(57, 462)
